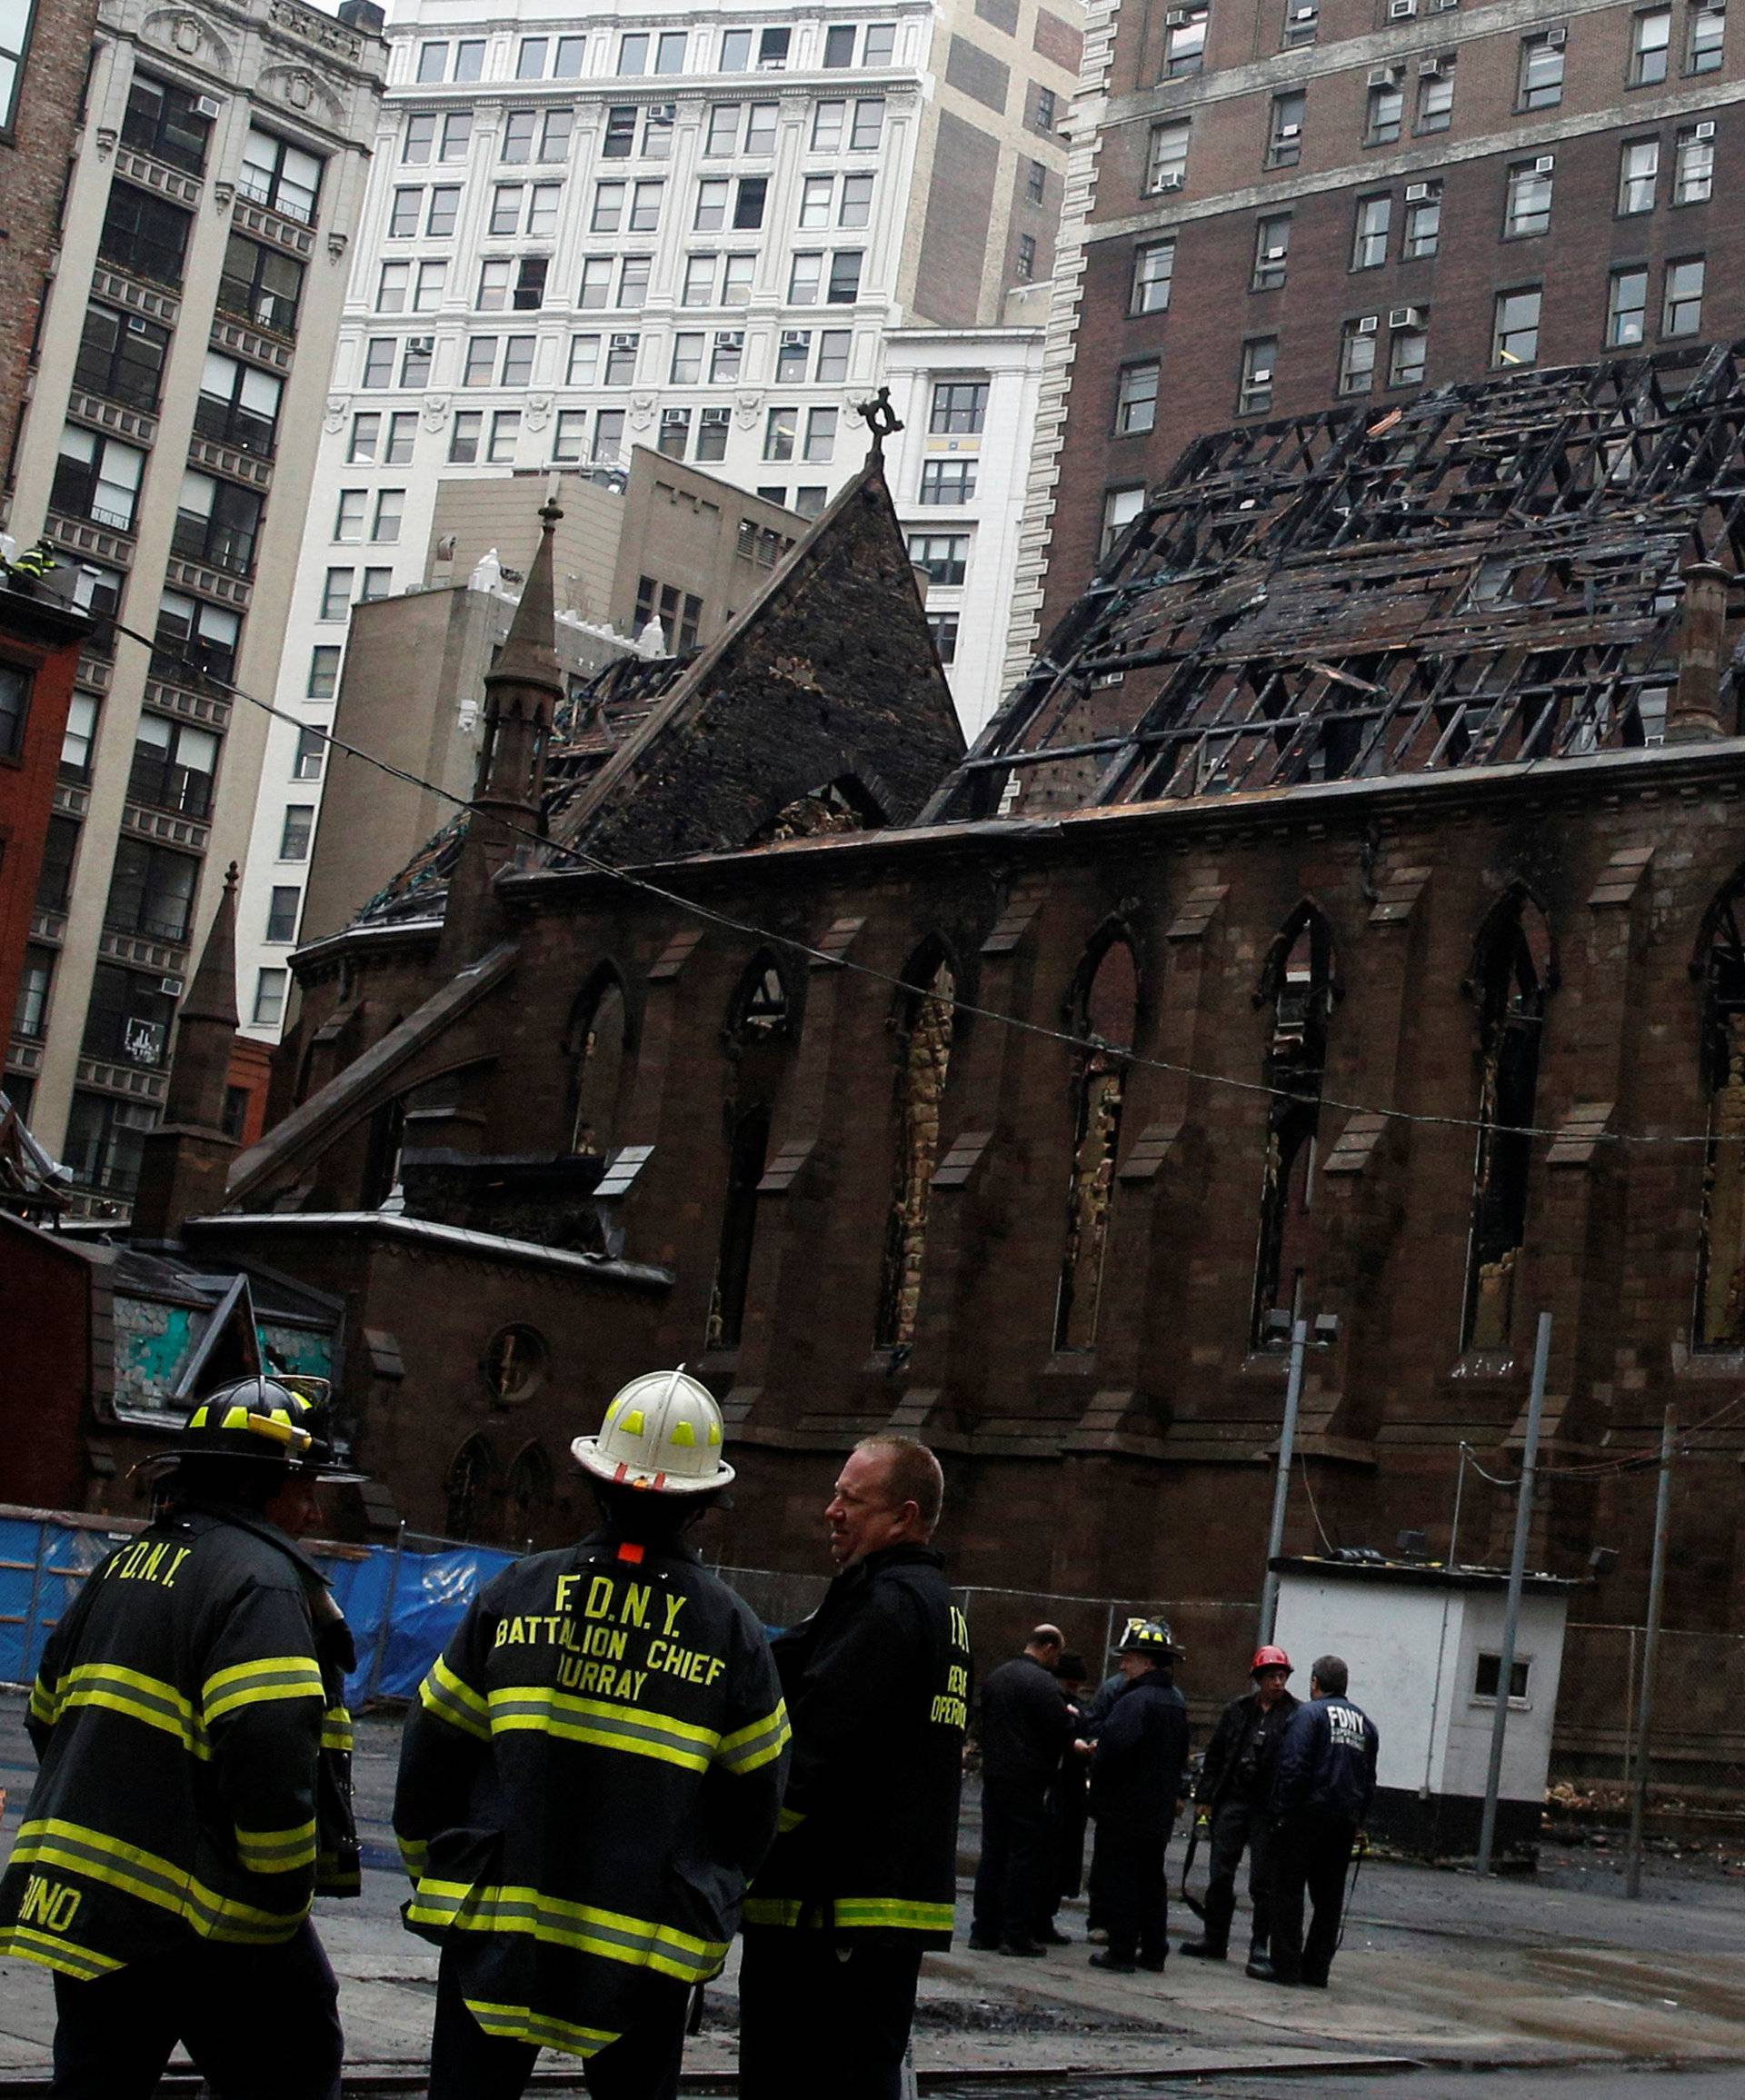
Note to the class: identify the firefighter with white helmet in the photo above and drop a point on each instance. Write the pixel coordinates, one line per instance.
(1136, 1778)
(196, 1784)
(592, 1771)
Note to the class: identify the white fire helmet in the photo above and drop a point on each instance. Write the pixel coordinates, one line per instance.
(662, 1432)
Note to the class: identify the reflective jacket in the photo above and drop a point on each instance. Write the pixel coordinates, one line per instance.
(878, 1684)
(1137, 1773)
(1327, 1762)
(196, 1752)
(591, 1770)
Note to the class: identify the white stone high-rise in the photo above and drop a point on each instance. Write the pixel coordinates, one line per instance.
(693, 229)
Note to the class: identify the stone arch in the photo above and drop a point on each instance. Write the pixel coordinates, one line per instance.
(923, 1025)
(470, 1489)
(1102, 1012)
(597, 1050)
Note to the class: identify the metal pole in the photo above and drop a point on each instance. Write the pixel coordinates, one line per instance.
(1651, 1651)
(1511, 1611)
(1281, 1485)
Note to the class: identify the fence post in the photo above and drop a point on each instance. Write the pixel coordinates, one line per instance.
(1650, 1654)
(1282, 1484)
(1630, 1707)
(381, 1655)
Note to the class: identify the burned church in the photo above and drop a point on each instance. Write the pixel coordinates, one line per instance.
(1343, 919)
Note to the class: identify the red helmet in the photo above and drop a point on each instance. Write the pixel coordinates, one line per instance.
(1269, 1658)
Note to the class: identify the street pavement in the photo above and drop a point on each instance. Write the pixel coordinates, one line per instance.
(1548, 1986)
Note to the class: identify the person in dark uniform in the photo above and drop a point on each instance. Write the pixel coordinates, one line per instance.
(1026, 1729)
(591, 1773)
(1235, 1792)
(1321, 1789)
(1094, 1712)
(196, 1784)
(1068, 1803)
(863, 1878)
(1136, 1780)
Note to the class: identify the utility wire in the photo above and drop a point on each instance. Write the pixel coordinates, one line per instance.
(767, 937)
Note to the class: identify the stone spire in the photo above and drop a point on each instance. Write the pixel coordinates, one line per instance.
(187, 1156)
(521, 691)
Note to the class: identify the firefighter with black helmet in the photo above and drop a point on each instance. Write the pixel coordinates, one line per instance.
(593, 1770)
(196, 1787)
(1234, 1796)
(1136, 1780)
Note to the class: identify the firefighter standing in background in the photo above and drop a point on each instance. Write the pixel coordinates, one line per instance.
(1136, 1780)
(864, 1879)
(196, 1784)
(1322, 1786)
(593, 1768)
(1235, 1788)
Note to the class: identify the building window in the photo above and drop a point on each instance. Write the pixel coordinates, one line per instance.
(1044, 110)
(1302, 23)
(941, 555)
(1650, 38)
(60, 850)
(1541, 71)
(121, 356)
(1166, 161)
(845, 286)
(1707, 35)
(779, 433)
(1025, 266)
(144, 235)
(1626, 308)
(377, 584)
(1694, 179)
(311, 754)
(151, 892)
(1514, 329)
(282, 914)
(675, 435)
(1104, 1012)
(1357, 354)
(946, 480)
(608, 437)
(1423, 221)
(216, 523)
(620, 359)
(1260, 363)
(262, 285)
(1136, 398)
(1284, 128)
(1681, 307)
(128, 1019)
(1036, 183)
(105, 1142)
(281, 175)
(832, 356)
(725, 356)
(942, 627)
(1297, 985)
(747, 1158)
(299, 829)
(269, 998)
(620, 140)
(238, 405)
(1435, 97)
(821, 436)
(1153, 267)
(195, 640)
(1384, 113)
(1184, 41)
(463, 435)
(1529, 207)
(1272, 252)
(15, 708)
(712, 425)
(97, 478)
(1406, 356)
(1369, 232)
(173, 764)
(923, 1053)
(30, 1016)
(1639, 171)
(77, 740)
(336, 594)
(960, 407)
(1120, 508)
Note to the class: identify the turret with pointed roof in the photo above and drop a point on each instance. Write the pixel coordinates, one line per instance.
(187, 1156)
(521, 691)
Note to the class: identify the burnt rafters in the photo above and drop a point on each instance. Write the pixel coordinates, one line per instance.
(1487, 575)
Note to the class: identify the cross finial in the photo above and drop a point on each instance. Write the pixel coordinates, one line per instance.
(880, 418)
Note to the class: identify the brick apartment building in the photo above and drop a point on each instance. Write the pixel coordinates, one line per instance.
(1276, 204)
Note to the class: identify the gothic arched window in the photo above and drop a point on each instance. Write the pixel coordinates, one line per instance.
(1512, 976)
(1298, 985)
(1104, 1012)
(470, 1488)
(596, 1044)
(1721, 1262)
(529, 1491)
(923, 1054)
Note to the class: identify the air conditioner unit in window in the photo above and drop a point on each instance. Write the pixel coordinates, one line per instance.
(1176, 18)
(623, 343)
(1368, 324)
(1381, 77)
(1556, 39)
(1442, 6)
(1545, 163)
(792, 338)
(1401, 10)
(171, 987)
(1406, 317)
(1419, 193)
(1430, 68)
(421, 345)
(209, 106)
(1165, 182)
(1705, 130)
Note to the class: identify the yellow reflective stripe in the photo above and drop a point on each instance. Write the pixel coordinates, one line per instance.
(747, 1748)
(44, 1701)
(332, 1878)
(277, 1851)
(336, 1730)
(141, 1698)
(522, 2024)
(601, 1721)
(78, 1849)
(452, 1699)
(415, 1854)
(84, 1962)
(790, 1820)
(849, 1912)
(270, 1678)
(469, 1907)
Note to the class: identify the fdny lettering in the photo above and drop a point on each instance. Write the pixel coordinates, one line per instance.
(605, 1678)
(50, 1904)
(604, 1599)
(951, 1708)
(1346, 1726)
(960, 1629)
(148, 1560)
(528, 1629)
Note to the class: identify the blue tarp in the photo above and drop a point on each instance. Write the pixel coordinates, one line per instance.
(402, 1606)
